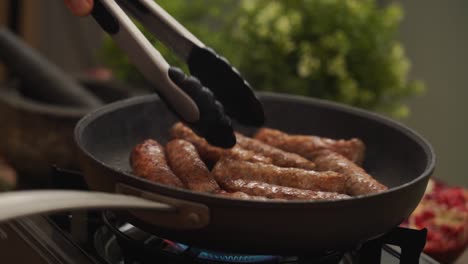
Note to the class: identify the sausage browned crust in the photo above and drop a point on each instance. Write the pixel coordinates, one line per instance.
(239, 153)
(211, 154)
(257, 188)
(149, 161)
(278, 157)
(307, 146)
(240, 195)
(358, 183)
(292, 177)
(185, 162)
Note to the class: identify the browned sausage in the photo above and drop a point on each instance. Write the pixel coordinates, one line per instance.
(211, 154)
(187, 165)
(239, 153)
(240, 195)
(257, 188)
(292, 177)
(307, 146)
(206, 151)
(148, 161)
(358, 183)
(278, 157)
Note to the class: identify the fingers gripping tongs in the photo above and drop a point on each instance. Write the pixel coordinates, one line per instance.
(195, 103)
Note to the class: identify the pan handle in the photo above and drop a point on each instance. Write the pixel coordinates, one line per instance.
(24, 203)
(189, 215)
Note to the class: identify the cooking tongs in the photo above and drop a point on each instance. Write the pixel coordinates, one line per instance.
(195, 103)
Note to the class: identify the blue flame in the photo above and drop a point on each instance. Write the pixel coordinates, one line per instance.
(232, 258)
(214, 256)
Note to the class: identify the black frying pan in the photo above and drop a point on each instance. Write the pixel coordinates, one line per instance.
(396, 156)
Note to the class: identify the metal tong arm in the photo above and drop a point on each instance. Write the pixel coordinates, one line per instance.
(147, 59)
(167, 29)
(213, 71)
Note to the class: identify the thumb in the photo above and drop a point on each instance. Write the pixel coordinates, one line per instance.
(80, 7)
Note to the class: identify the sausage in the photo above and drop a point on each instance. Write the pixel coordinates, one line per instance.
(241, 195)
(207, 152)
(278, 157)
(149, 161)
(358, 183)
(291, 177)
(187, 165)
(272, 191)
(211, 154)
(307, 145)
(239, 153)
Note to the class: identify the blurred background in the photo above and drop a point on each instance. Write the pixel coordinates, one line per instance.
(408, 63)
(404, 59)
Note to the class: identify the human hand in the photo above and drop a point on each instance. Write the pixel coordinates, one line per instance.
(80, 7)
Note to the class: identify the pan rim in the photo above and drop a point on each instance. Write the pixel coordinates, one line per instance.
(192, 195)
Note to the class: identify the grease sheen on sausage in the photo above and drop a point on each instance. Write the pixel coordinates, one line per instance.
(149, 161)
(358, 183)
(241, 195)
(291, 177)
(187, 165)
(307, 145)
(257, 188)
(278, 157)
(211, 154)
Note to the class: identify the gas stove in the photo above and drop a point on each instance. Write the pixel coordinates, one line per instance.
(101, 237)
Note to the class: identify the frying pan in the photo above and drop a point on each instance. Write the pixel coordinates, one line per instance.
(396, 156)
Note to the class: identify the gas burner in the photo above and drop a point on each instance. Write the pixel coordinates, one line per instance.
(123, 243)
(127, 244)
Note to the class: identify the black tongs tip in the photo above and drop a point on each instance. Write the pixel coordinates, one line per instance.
(213, 124)
(227, 84)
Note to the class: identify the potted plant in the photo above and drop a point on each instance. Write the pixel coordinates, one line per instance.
(345, 51)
